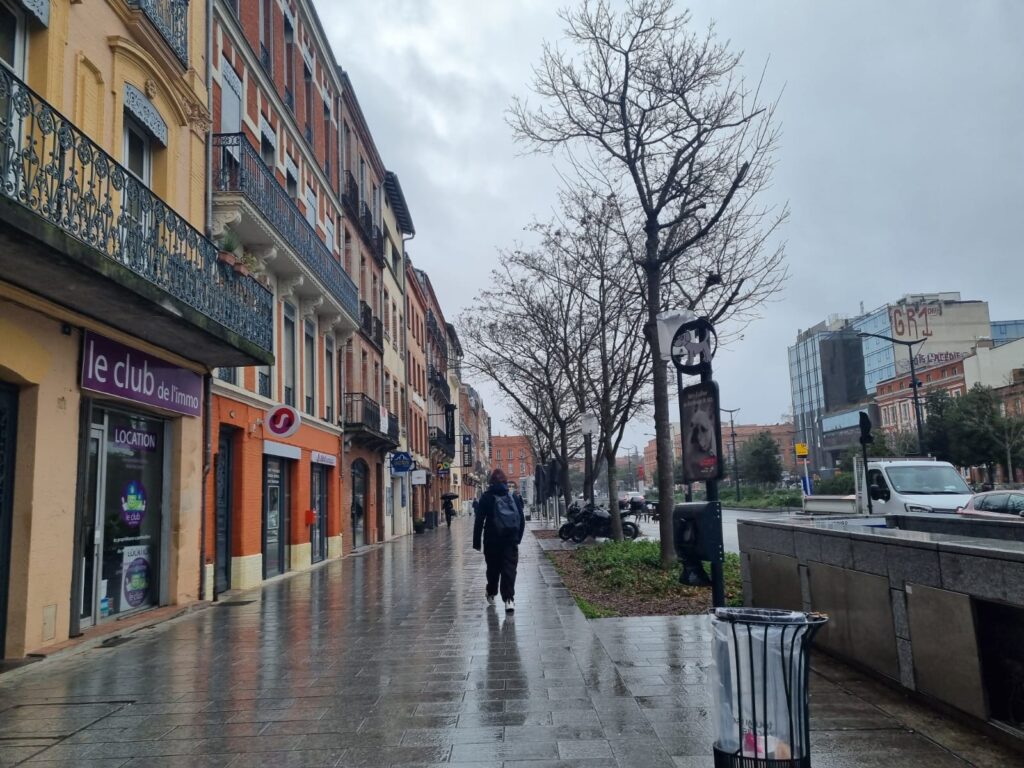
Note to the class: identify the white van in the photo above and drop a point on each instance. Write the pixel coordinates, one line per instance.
(915, 485)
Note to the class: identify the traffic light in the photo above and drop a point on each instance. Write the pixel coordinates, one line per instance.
(865, 429)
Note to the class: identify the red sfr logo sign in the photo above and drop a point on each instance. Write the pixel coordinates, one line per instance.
(283, 421)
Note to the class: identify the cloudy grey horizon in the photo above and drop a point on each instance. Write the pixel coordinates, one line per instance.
(900, 159)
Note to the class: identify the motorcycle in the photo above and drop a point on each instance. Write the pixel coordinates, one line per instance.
(572, 516)
(597, 522)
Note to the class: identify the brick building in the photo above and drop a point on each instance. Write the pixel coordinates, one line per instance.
(514, 455)
(895, 397)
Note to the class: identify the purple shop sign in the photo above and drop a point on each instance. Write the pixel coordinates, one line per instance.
(111, 368)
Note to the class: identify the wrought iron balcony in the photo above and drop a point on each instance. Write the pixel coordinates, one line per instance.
(170, 18)
(364, 422)
(366, 220)
(238, 168)
(265, 60)
(393, 431)
(378, 244)
(144, 262)
(371, 326)
(439, 439)
(439, 383)
(350, 193)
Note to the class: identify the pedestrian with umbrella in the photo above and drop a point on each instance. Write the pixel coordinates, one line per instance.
(448, 507)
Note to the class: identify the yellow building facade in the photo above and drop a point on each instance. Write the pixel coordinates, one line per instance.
(114, 308)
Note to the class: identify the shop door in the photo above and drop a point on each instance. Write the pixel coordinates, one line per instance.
(8, 435)
(223, 469)
(275, 516)
(122, 555)
(359, 480)
(318, 503)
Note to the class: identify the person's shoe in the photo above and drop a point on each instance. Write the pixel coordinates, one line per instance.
(490, 599)
(510, 606)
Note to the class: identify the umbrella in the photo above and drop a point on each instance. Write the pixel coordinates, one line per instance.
(449, 495)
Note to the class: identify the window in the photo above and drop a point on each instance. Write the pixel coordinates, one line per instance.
(510, 454)
(311, 207)
(138, 159)
(329, 379)
(309, 360)
(267, 33)
(267, 151)
(307, 78)
(522, 467)
(291, 185)
(387, 317)
(362, 178)
(329, 228)
(327, 139)
(522, 453)
(288, 353)
(137, 150)
(289, 65)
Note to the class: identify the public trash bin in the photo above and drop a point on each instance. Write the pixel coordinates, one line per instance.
(760, 680)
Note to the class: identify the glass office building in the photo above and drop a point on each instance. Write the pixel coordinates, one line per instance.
(1005, 331)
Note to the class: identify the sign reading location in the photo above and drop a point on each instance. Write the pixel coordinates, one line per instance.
(801, 450)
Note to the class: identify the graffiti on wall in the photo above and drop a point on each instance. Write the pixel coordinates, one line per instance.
(911, 321)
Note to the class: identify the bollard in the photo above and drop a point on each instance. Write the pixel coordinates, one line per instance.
(760, 684)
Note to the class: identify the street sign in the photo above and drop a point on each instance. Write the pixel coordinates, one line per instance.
(701, 432)
(419, 477)
(801, 450)
(283, 421)
(443, 468)
(401, 462)
(693, 346)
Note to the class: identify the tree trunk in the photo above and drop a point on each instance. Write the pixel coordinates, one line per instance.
(613, 496)
(563, 462)
(662, 420)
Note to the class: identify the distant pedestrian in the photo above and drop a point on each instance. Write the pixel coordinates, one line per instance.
(500, 521)
(449, 510)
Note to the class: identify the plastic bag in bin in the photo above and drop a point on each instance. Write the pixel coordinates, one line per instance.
(759, 680)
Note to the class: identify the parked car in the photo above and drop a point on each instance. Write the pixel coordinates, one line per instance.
(995, 503)
(915, 485)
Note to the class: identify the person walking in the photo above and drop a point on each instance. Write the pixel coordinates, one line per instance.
(449, 510)
(501, 524)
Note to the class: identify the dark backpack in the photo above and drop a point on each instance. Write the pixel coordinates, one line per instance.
(506, 516)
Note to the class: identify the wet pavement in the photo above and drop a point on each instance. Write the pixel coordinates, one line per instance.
(392, 657)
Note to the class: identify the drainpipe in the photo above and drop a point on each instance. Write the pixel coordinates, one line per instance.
(405, 366)
(208, 228)
(207, 461)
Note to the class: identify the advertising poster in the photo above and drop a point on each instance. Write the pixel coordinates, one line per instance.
(135, 565)
(701, 433)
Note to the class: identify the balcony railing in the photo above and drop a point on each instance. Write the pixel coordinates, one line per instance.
(378, 244)
(362, 414)
(370, 325)
(366, 220)
(54, 170)
(170, 17)
(350, 193)
(439, 382)
(238, 168)
(439, 439)
(265, 61)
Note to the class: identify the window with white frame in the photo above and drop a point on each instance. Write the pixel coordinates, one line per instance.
(288, 354)
(309, 359)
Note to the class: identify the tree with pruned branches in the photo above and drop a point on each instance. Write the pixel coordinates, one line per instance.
(658, 115)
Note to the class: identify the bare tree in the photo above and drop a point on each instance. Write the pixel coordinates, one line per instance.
(505, 339)
(661, 116)
(587, 264)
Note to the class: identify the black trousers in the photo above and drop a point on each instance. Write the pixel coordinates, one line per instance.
(502, 561)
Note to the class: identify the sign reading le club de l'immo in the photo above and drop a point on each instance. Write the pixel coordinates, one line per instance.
(111, 368)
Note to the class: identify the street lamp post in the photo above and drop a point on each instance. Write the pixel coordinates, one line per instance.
(589, 427)
(735, 457)
(913, 381)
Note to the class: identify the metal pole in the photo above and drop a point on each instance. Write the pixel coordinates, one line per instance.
(917, 402)
(867, 490)
(711, 486)
(588, 468)
(735, 458)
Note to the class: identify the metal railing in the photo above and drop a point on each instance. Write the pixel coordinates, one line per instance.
(170, 17)
(439, 439)
(265, 61)
(238, 168)
(370, 325)
(438, 381)
(350, 192)
(362, 412)
(378, 333)
(53, 169)
(378, 244)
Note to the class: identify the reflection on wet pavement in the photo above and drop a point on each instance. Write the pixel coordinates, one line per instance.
(394, 658)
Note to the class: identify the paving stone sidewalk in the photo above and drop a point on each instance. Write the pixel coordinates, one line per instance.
(392, 658)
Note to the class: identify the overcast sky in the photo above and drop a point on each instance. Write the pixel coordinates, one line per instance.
(902, 156)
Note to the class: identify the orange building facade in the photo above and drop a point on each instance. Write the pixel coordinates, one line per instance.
(513, 455)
